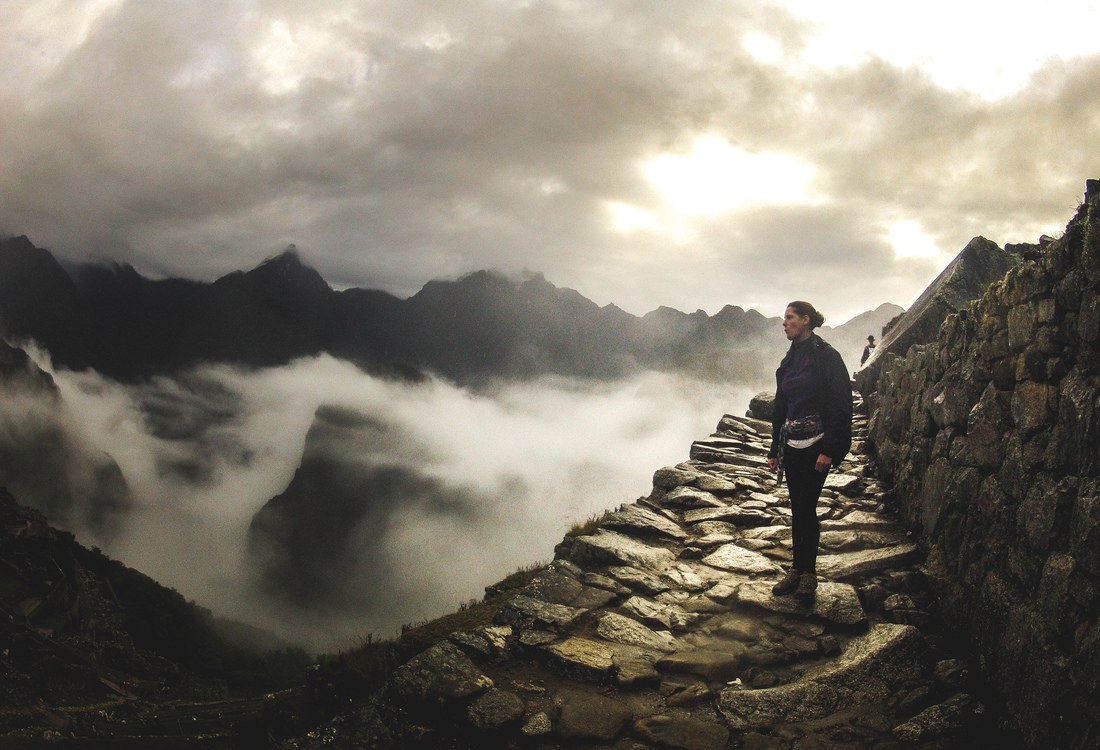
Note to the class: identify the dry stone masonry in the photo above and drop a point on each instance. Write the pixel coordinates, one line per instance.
(989, 436)
(659, 630)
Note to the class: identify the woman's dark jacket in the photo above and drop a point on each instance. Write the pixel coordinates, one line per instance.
(834, 400)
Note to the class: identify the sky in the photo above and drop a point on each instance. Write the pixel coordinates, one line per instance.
(644, 153)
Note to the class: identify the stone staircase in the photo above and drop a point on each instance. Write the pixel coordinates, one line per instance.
(659, 629)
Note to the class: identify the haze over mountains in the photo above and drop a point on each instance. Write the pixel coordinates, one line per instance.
(309, 459)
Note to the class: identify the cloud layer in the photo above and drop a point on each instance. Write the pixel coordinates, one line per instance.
(399, 142)
(510, 470)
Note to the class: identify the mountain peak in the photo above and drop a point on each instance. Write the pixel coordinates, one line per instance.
(288, 257)
(287, 273)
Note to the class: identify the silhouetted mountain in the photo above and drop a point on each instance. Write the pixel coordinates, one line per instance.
(270, 315)
(38, 299)
(317, 545)
(484, 325)
(44, 461)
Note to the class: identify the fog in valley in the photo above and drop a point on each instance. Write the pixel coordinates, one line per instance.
(483, 482)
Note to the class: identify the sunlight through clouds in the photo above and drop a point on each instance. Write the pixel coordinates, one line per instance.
(713, 178)
(288, 55)
(626, 218)
(716, 176)
(277, 58)
(909, 240)
(955, 42)
(438, 40)
(763, 47)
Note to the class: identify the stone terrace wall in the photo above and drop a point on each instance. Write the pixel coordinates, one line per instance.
(990, 437)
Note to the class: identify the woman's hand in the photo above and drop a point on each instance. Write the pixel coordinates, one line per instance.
(823, 462)
(773, 463)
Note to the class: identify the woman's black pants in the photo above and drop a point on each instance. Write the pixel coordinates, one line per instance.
(804, 484)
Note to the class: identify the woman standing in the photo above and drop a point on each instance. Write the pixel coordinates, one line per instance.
(811, 431)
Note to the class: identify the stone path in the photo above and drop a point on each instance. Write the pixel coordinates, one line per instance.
(659, 630)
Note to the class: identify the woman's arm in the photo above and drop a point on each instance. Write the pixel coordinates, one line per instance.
(836, 409)
(779, 416)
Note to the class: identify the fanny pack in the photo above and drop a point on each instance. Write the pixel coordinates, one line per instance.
(804, 428)
(798, 433)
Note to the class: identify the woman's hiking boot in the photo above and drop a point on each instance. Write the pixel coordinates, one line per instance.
(807, 586)
(788, 583)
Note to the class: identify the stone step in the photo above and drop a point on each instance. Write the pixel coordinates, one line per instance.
(867, 672)
(835, 602)
(865, 563)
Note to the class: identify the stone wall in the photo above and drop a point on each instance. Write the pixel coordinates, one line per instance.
(990, 437)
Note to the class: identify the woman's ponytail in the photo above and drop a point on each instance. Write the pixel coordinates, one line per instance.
(805, 308)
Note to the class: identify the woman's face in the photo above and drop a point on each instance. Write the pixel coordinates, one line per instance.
(797, 327)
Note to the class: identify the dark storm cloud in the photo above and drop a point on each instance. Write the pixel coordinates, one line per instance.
(397, 142)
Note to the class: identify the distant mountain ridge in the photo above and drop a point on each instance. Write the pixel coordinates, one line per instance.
(484, 325)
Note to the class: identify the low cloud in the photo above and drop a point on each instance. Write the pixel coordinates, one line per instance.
(46, 462)
(497, 477)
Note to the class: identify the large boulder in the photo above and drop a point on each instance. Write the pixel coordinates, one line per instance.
(439, 676)
(762, 406)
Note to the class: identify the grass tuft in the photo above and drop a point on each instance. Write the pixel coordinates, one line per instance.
(589, 525)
